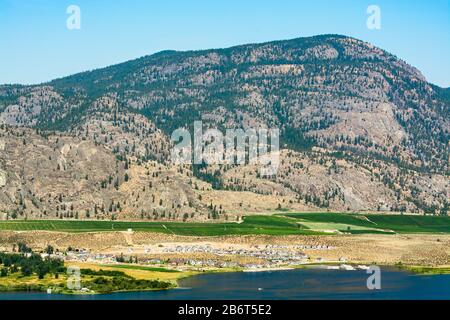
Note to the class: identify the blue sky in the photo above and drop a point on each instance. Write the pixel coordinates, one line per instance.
(36, 46)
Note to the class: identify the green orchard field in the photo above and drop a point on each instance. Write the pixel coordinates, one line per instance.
(268, 225)
(373, 223)
(280, 224)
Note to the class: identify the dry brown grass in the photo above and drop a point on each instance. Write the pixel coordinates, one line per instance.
(414, 249)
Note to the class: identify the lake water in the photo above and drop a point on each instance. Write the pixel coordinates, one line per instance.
(291, 284)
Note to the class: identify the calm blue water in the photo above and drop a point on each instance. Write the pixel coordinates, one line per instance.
(292, 284)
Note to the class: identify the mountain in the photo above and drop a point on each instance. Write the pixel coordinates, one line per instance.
(360, 130)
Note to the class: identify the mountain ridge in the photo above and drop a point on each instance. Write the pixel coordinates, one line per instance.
(198, 51)
(360, 130)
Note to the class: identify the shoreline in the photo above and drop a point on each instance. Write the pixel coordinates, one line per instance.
(417, 270)
(170, 258)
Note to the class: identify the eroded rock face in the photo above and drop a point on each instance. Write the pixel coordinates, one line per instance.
(322, 52)
(2, 178)
(63, 176)
(360, 129)
(329, 87)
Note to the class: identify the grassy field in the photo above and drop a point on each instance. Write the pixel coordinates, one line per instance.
(281, 224)
(373, 223)
(16, 282)
(138, 272)
(268, 225)
(427, 270)
(139, 267)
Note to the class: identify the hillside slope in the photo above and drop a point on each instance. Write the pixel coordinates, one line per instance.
(360, 129)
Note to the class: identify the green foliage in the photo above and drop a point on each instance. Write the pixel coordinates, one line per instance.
(121, 283)
(396, 223)
(271, 225)
(107, 273)
(201, 172)
(31, 263)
